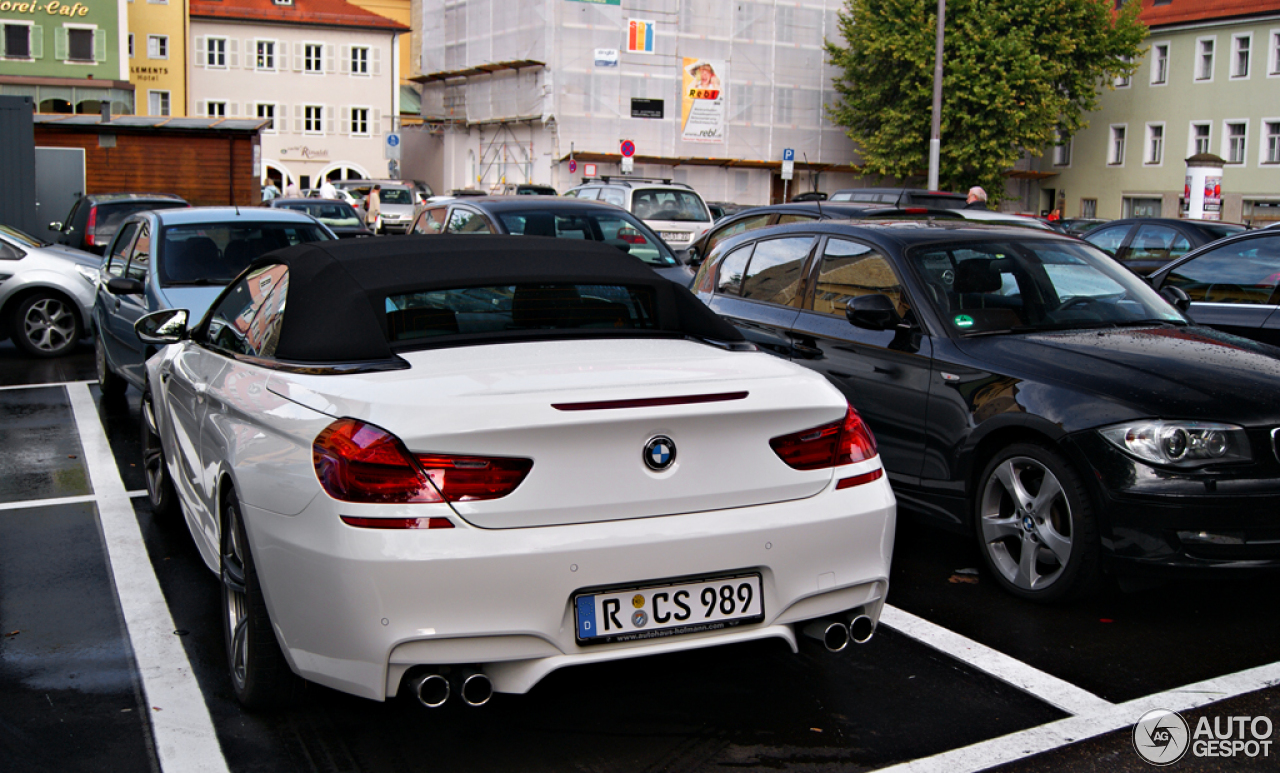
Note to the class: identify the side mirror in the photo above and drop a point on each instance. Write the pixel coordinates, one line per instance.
(119, 285)
(686, 256)
(55, 225)
(1176, 296)
(162, 327)
(873, 312)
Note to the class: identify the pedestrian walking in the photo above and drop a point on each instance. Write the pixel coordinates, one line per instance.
(327, 190)
(270, 191)
(373, 210)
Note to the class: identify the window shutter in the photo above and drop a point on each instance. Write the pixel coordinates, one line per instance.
(375, 123)
(202, 109)
(201, 52)
(328, 58)
(297, 119)
(60, 44)
(281, 123)
(233, 109)
(297, 56)
(250, 54)
(37, 41)
(99, 46)
(344, 60)
(375, 53)
(233, 52)
(328, 121)
(344, 120)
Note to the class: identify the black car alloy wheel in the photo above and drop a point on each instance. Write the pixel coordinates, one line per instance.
(260, 676)
(1035, 524)
(160, 490)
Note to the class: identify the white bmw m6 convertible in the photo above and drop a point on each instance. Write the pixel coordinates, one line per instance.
(448, 466)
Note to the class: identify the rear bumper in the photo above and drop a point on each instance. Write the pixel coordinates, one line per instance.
(355, 608)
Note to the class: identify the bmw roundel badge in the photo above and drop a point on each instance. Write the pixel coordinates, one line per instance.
(659, 453)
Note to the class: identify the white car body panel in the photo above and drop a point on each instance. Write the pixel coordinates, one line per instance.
(355, 608)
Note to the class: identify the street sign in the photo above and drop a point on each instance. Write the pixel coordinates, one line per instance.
(588, 170)
(788, 154)
(788, 169)
(573, 165)
(391, 150)
(628, 148)
(628, 164)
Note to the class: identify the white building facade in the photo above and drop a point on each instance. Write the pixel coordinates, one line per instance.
(536, 90)
(323, 73)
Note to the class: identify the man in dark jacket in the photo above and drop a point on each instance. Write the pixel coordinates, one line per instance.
(977, 198)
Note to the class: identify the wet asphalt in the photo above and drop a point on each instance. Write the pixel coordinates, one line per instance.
(71, 700)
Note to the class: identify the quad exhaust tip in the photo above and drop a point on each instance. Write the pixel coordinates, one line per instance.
(474, 687)
(861, 629)
(833, 634)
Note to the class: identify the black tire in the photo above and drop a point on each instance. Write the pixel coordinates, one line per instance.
(160, 490)
(111, 385)
(1051, 516)
(260, 676)
(45, 324)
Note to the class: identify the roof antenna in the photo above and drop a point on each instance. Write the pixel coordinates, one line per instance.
(816, 199)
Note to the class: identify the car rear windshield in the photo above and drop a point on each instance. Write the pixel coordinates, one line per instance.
(615, 228)
(110, 215)
(518, 310)
(395, 196)
(1015, 285)
(332, 214)
(214, 253)
(660, 204)
(1219, 230)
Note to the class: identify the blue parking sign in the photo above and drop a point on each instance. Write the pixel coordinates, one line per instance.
(788, 154)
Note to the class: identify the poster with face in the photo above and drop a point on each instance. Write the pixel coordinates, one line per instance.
(703, 100)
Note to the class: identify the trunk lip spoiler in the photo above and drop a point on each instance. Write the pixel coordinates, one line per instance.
(650, 402)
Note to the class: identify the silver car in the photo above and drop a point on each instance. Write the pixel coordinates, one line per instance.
(46, 293)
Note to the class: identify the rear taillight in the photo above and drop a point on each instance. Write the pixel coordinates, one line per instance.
(90, 238)
(830, 445)
(631, 236)
(472, 478)
(358, 462)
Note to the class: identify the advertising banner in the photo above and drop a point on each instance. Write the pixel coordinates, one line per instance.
(703, 100)
(1213, 197)
(640, 36)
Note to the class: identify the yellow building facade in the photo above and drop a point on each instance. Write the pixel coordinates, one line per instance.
(158, 56)
(400, 11)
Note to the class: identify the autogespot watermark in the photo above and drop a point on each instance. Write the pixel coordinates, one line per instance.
(1163, 737)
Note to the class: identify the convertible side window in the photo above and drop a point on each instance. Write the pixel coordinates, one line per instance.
(1242, 273)
(248, 318)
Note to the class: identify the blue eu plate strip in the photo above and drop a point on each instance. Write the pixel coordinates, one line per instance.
(586, 617)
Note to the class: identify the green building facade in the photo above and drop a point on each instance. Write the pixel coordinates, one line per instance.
(70, 57)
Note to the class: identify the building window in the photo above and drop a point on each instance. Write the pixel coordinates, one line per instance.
(80, 45)
(1155, 143)
(1204, 62)
(1062, 152)
(1275, 53)
(17, 41)
(359, 60)
(217, 110)
(158, 102)
(217, 52)
(266, 55)
(1160, 64)
(1199, 138)
(1122, 81)
(157, 46)
(312, 60)
(1115, 155)
(1089, 208)
(312, 119)
(359, 120)
(267, 112)
(1237, 136)
(1240, 55)
(1272, 149)
(130, 45)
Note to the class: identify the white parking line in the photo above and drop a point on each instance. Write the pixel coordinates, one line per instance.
(61, 501)
(67, 384)
(1048, 688)
(184, 736)
(1015, 746)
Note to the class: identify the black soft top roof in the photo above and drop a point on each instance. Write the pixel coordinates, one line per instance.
(335, 310)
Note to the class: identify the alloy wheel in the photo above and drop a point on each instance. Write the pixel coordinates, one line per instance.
(234, 604)
(50, 325)
(1026, 523)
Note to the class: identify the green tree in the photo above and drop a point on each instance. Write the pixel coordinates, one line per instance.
(1015, 73)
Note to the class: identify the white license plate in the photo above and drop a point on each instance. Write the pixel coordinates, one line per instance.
(651, 612)
(674, 236)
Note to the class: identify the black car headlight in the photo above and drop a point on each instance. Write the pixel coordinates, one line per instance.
(1180, 443)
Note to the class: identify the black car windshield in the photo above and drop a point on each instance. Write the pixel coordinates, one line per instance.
(331, 213)
(612, 227)
(214, 253)
(1017, 285)
(666, 204)
(497, 311)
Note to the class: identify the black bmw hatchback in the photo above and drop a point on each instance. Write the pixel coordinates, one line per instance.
(1027, 389)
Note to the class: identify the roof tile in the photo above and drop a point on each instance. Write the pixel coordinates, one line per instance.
(1188, 11)
(324, 13)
